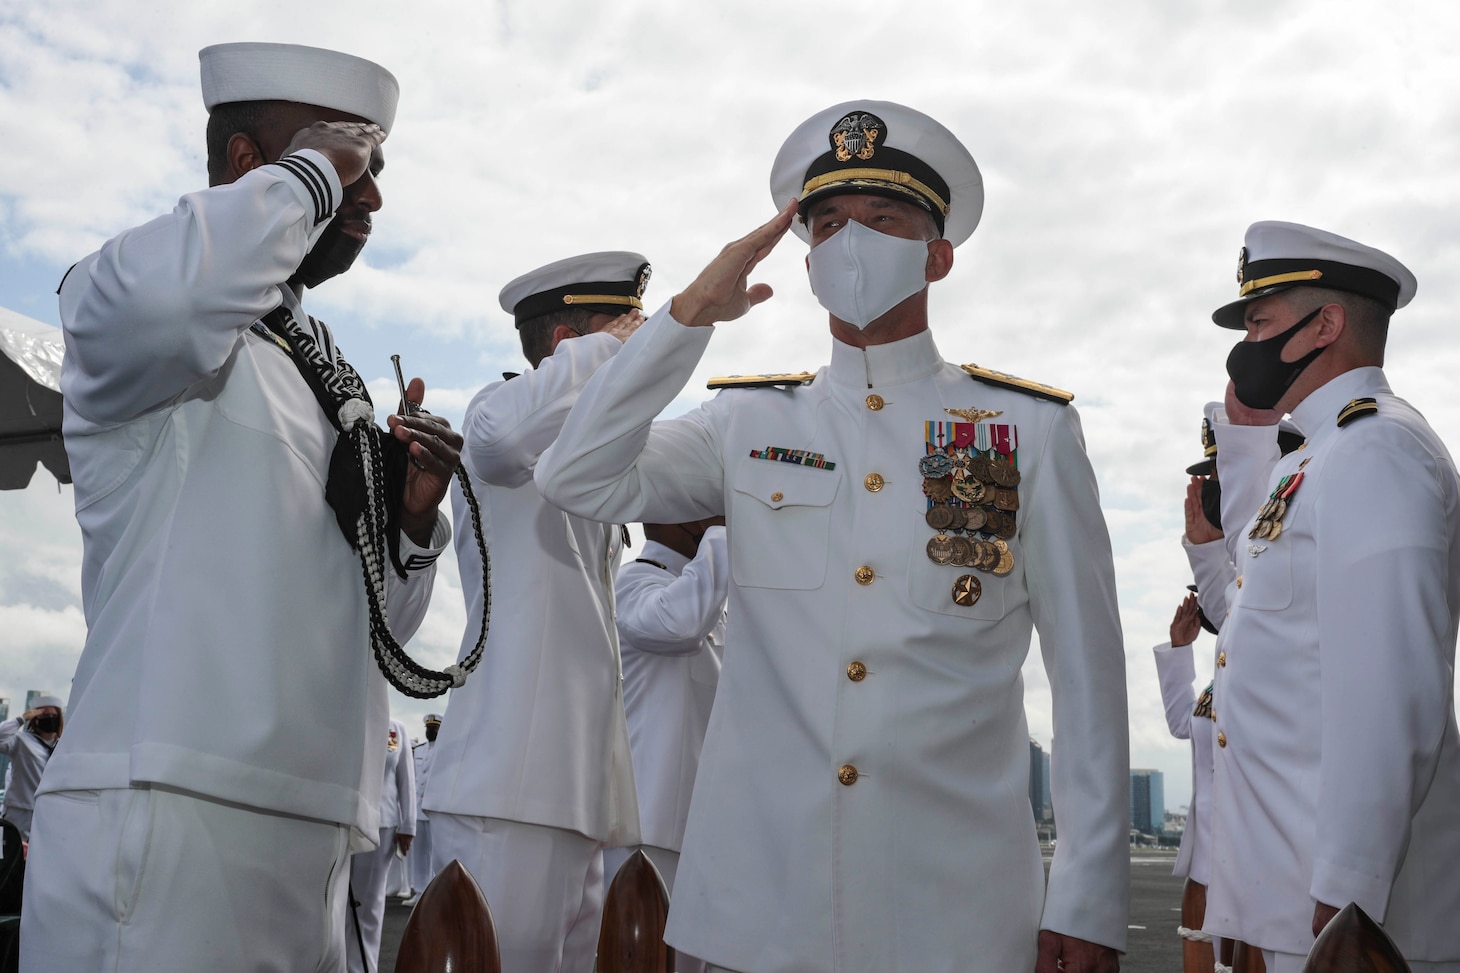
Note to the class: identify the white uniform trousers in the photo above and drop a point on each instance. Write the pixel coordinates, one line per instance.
(1293, 963)
(418, 859)
(368, 873)
(143, 879)
(543, 885)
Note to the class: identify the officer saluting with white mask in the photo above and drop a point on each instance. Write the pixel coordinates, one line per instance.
(898, 526)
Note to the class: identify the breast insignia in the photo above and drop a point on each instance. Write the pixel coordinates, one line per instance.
(1004, 380)
(1357, 409)
(780, 380)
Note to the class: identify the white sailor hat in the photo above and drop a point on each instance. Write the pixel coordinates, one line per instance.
(433, 718)
(46, 699)
(612, 281)
(307, 75)
(1279, 255)
(1289, 436)
(885, 149)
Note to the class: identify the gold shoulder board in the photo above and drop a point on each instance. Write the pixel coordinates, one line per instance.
(1357, 409)
(1004, 380)
(782, 380)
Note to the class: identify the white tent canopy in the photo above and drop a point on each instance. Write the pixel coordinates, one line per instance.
(30, 400)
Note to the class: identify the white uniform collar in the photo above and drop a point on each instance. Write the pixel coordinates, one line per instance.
(1318, 413)
(672, 560)
(897, 363)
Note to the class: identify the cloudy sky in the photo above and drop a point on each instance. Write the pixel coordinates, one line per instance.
(1125, 147)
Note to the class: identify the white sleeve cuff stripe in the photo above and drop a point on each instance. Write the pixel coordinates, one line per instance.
(308, 173)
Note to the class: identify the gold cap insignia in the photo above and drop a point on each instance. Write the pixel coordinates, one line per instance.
(856, 135)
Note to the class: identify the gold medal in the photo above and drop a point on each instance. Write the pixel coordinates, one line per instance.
(1006, 498)
(939, 517)
(938, 488)
(940, 549)
(960, 518)
(1006, 559)
(967, 590)
(974, 518)
(970, 491)
(962, 552)
(1275, 530)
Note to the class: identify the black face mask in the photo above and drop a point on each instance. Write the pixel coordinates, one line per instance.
(46, 724)
(331, 256)
(431, 730)
(1260, 377)
(1211, 501)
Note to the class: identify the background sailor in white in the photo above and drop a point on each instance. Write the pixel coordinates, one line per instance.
(532, 777)
(29, 740)
(368, 869)
(418, 862)
(862, 799)
(671, 623)
(1188, 715)
(1338, 758)
(222, 599)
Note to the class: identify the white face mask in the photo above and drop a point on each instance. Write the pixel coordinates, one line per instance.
(859, 274)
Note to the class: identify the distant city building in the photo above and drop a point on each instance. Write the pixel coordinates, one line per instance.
(1147, 801)
(1039, 796)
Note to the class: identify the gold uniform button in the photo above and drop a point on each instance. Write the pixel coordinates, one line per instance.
(1221, 660)
(856, 672)
(847, 775)
(873, 482)
(864, 575)
(874, 402)
(1239, 581)
(1221, 739)
(777, 497)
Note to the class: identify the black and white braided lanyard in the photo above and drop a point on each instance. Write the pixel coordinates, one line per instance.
(358, 457)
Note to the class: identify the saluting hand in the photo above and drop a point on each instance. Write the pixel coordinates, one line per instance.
(435, 452)
(722, 291)
(347, 145)
(623, 325)
(1199, 530)
(1186, 623)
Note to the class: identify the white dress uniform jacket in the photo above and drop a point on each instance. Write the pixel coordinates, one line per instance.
(398, 790)
(671, 620)
(928, 859)
(1338, 758)
(421, 757)
(223, 603)
(28, 755)
(1213, 573)
(1177, 670)
(539, 737)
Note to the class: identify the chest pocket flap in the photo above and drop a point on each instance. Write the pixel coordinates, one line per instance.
(780, 523)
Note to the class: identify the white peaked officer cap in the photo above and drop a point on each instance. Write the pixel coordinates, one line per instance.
(883, 149)
(1279, 255)
(611, 281)
(1290, 437)
(307, 75)
(433, 718)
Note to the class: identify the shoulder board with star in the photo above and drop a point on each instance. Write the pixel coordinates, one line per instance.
(780, 380)
(1357, 409)
(1004, 380)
